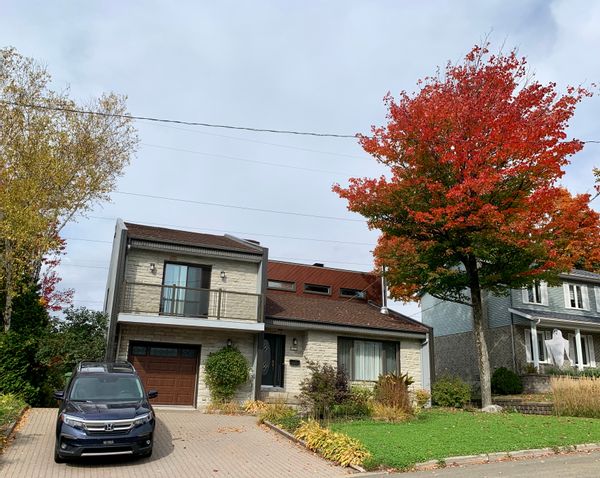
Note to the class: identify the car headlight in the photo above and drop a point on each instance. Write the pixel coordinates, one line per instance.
(142, 419)
(73, 421)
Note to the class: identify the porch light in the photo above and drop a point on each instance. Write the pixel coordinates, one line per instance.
(152, 267)
(223, 275)
(294, 343)
(229, 343)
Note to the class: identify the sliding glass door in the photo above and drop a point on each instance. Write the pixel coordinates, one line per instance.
(184, 290)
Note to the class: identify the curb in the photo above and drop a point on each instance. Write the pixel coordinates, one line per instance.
(11, 426)
(291, 437)
(504, 456)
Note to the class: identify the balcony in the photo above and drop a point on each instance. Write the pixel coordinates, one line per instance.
(187, 302)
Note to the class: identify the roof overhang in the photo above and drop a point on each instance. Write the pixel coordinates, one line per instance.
(195, 251)
(347, 329)
(213, 324)
(556, 322)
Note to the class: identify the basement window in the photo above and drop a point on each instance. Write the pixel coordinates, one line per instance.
(317, 289)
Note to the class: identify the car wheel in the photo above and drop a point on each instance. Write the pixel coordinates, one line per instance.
(58, 458)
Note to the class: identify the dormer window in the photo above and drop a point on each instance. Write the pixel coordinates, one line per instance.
(536, 293)
(317, 289)
(281, 285)
(352, 293)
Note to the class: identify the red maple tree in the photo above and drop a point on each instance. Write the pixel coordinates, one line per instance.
(472, 201)
(52, 298)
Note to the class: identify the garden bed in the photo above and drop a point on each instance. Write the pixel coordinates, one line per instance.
(11, 409)
(437, 434)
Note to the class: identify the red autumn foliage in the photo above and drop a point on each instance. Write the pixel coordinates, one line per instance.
(53, 298)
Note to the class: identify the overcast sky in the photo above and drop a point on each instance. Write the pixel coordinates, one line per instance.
(309, 66)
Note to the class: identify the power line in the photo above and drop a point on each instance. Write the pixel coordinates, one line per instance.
(232, 206)
(246, 160)
(172, 121)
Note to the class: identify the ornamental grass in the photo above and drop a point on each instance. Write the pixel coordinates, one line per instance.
(576, 397)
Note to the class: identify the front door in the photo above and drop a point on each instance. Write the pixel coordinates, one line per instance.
(273, 357)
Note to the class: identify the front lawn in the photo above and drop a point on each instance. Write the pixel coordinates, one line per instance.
(438, 434)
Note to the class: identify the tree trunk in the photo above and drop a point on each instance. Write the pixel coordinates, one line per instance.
(479, 333)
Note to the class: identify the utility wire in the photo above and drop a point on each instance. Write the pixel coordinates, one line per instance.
(232, 206)
(173, 121)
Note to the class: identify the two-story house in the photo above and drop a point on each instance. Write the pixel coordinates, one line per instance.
(173, 297)
(517, 325)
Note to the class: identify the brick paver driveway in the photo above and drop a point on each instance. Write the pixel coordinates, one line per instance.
(188, 443)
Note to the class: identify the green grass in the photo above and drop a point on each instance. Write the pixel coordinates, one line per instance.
(438, 434)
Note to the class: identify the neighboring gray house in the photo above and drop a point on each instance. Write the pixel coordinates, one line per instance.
(173, 297)
(517, 325)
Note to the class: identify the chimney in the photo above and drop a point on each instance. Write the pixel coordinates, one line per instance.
(384, 309)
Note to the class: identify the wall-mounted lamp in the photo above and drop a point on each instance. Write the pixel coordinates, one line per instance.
(229, 343)
(153, 267)
(294, 343)
(223, 275)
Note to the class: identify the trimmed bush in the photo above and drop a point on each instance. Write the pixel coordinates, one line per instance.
(506, 382)
(450, 392)
(358, 403)
(334, 446)
(225, 371)
(325, 387)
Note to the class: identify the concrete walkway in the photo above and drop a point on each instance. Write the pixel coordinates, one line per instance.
(187, 444)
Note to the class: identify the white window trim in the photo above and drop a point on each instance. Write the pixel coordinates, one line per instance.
(547, 335)
(585, 298)
(597, 295)
(589, 346)
(543, 293)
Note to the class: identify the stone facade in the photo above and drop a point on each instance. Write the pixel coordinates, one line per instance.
(208, 340)
(322, 347)
(240, 277)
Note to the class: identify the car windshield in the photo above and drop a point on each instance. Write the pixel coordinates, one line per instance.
(107, 388)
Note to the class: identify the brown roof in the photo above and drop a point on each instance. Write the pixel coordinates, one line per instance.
(335, 278)
(161, 234)
(353, 313)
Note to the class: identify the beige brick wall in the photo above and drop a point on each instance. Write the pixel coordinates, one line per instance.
(322, 347)
(209, 341)
(240, 277)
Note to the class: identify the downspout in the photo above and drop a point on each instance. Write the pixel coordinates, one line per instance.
(384, 308)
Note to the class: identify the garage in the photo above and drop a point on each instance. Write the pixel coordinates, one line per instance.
(171, 369)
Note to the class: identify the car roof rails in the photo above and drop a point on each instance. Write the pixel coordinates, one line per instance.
(106, 367)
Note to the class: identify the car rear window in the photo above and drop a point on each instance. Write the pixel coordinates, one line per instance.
(104, 387)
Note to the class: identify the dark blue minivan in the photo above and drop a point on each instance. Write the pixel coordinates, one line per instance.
(104, 411)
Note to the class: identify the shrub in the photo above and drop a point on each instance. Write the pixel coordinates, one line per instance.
(422, 397)
(451, 392)
(225, 370)
(357, 404)
(325, 387)
(224, 408)
(506, 382)
(380, 411)
(334, 446)
(573, 372)
(391, 390)
(576, 397)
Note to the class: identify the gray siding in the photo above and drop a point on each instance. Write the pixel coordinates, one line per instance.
(445, 317)
(497, 307)
(556, 300)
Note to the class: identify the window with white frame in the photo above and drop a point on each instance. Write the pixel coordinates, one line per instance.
(576, 296)
(536, 293)
(541, 346)
(587, 350)
(367, 359)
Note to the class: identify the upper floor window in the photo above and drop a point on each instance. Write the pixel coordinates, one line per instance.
(281, 285)
(536, 293)
(576, 296)
(354, 293)
(317, 289)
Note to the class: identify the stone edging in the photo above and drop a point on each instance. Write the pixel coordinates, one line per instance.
(11, 426)
(504, 456)
(291, 437)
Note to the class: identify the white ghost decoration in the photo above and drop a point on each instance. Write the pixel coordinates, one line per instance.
(557, 348)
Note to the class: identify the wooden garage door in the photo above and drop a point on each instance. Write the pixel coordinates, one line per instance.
(170, 369)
